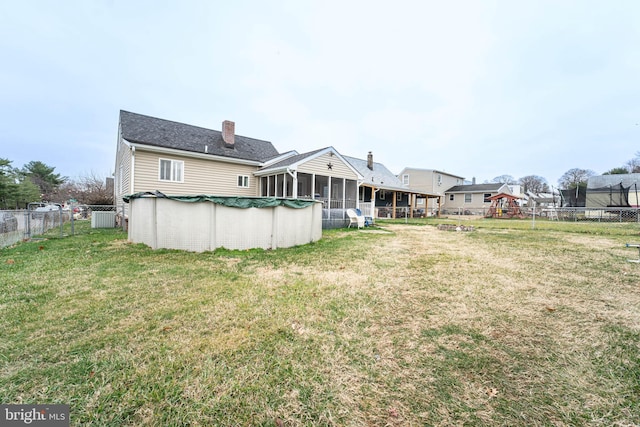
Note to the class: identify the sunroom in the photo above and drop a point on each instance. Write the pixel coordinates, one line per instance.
(321, 175)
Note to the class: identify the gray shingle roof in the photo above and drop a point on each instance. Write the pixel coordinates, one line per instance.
(475, 188)
(141, 129)
(293, 159)
(380, 175)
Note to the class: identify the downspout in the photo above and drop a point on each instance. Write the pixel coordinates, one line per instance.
(133, 169)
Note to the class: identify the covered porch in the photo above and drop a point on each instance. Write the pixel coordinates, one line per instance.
(389, 202)
(322, 176)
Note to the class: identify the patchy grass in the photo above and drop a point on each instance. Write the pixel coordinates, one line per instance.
(501, 326)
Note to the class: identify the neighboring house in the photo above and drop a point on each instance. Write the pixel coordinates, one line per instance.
(430, 181)
(179, 159)
(516, 190)
(542, 200)
(472, 199)
(382, 193)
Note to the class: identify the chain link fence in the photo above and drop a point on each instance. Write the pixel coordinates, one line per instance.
(563, 214)
(549, 213)
(84, 218)
(40, 220)
(12, 227)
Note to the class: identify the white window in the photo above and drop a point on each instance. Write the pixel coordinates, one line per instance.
(243, 181)
(171, 170)
(383, 195)
(398, 197)
(452, 197)
(467, 198)
(439, 179)
(405, 179)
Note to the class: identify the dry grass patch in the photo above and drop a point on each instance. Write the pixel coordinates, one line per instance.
(411, 326)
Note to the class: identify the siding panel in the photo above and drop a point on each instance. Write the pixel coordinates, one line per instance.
(319, 167)
(200, 176)
(122, 182)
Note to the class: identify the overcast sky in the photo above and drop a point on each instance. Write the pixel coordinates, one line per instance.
(474, 88)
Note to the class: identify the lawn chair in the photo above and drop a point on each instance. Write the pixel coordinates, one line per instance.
(354, 218)
(634, 246)
(368, 221)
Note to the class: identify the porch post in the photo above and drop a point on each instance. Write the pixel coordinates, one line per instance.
(329, 194)
(373, 202)
(284, 185)
(344, 193)
(393, 215)
(275, 185)
(412, 204)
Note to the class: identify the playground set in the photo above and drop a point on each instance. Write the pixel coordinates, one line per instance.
(504, 205)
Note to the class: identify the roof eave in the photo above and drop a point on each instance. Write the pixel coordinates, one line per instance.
(191, 154)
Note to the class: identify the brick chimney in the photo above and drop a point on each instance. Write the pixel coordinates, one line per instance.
(228, 133)
(370, 160)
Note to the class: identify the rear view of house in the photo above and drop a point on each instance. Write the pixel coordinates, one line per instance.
(180, 159)
(175, 158)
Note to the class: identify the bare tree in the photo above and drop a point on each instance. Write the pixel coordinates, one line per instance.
(64, 192)
(633, 165)
(88, 189)
(505, 179)
(534, 184)
(95, 189)
(574, 178)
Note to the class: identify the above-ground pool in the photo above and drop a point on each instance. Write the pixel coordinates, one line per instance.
(204, 223)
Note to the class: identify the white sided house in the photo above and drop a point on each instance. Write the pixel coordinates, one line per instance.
(430, 181)
(472, 199)
(157, 155)
(383, 195)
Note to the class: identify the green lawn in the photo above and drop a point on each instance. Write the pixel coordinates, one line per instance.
(401, 325)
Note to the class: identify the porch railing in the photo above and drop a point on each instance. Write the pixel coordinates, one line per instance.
(337, 204)
(366, 209)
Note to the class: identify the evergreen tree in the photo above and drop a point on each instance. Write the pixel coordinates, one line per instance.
(44, 177)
